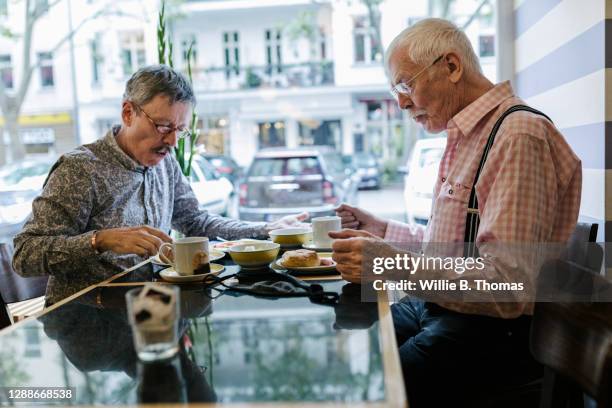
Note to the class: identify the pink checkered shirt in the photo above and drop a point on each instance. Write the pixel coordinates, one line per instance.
(528, 191)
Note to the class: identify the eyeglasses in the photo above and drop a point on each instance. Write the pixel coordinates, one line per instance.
(405, 88)
(181, 132)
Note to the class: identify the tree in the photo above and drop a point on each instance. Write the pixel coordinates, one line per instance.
(12, 102)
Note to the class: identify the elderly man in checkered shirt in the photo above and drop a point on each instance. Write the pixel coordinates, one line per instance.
(527, 191)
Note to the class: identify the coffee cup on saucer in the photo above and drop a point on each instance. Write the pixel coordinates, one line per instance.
(188, 256)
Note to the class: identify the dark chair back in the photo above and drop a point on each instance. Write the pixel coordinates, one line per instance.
(14, 288)
(582, 247)
(573, 340)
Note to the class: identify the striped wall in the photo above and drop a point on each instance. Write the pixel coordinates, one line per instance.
(563, 66)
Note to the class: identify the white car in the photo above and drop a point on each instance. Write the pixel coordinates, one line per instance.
(421, 178)
(214, 193)
(20, 183)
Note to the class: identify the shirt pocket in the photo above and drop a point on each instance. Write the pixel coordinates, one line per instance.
(454, 194)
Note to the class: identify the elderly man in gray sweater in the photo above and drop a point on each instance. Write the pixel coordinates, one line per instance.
(110, 204)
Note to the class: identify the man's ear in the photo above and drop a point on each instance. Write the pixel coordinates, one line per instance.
(127, 113)
(454, 65)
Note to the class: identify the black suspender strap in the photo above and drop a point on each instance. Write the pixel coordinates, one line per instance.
(472, 221)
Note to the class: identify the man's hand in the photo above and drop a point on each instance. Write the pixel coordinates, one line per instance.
(356, 218)
(143, 240)
(288, 221)
(348, 252)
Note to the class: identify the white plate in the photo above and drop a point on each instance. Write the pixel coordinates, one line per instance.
(313, 247)
(320, 268)
(214, 255)
(170, 275)
(225, 246)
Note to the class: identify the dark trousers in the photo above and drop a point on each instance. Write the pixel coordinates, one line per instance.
(453, 359)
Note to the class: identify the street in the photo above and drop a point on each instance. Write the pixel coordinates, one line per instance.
(388, 202)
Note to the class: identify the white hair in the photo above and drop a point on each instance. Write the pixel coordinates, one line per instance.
(430, 38)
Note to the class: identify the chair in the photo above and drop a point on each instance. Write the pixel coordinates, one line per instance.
(573, 340)
(582, 248)
(582, 254)
(14, 288)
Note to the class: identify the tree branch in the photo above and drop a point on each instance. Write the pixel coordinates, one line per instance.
(474, 15)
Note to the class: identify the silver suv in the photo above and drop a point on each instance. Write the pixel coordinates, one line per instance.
(283, 181)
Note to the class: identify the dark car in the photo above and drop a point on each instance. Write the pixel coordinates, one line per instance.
(226, 166)
(283, 181)
(368, 167)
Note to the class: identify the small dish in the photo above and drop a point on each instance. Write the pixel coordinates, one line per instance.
(291, 237)
(254, 255)
(311, 245)
(226, 245)
(213, 255)
(171, 275)
(306, 269)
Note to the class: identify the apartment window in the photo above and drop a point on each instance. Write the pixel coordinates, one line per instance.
(273, 51)
(231, 53)
(486, 45)
(96, 58)
(322, 44)
(3, 7)
(132, 52)
(6, 71)
(45, 59)
(367, 48)
(189, 41)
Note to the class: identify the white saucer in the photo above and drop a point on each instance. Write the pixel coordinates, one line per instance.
(320, 268)
(313, 247)
(170, 275)
(213, 255)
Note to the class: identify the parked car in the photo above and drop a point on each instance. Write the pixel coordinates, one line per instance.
(283, 181)
(367, 167)
(214, 192)
(20, 183)
(421, 178)
(226, 166)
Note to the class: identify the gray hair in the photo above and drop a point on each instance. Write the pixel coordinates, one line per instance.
(429, 38)
(148, 82)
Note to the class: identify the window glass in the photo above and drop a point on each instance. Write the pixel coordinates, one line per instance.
(45, 59)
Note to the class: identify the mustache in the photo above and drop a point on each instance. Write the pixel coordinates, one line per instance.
(163, 149)
(414, 114)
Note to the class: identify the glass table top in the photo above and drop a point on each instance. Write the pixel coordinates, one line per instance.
(235, 348)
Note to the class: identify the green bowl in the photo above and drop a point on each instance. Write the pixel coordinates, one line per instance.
(291, 236)
(254, 255)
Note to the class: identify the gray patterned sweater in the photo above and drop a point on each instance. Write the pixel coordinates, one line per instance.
(98, 186)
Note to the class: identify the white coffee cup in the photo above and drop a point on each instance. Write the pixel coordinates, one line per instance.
(190, 255)
(321, 226)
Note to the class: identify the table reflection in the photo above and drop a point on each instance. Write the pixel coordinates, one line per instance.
(234, 348)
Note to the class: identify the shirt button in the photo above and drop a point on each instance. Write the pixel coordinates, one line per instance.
(450, 191)
(443, 179)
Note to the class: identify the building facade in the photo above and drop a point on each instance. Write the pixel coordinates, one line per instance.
(266, 72)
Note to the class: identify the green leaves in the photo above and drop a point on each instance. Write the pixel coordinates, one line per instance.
(161, 35)
(164, 43)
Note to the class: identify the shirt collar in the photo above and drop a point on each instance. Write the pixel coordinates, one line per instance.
(472, 114)
(126, 161)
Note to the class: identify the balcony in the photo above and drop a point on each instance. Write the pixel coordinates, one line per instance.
(302, 75)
